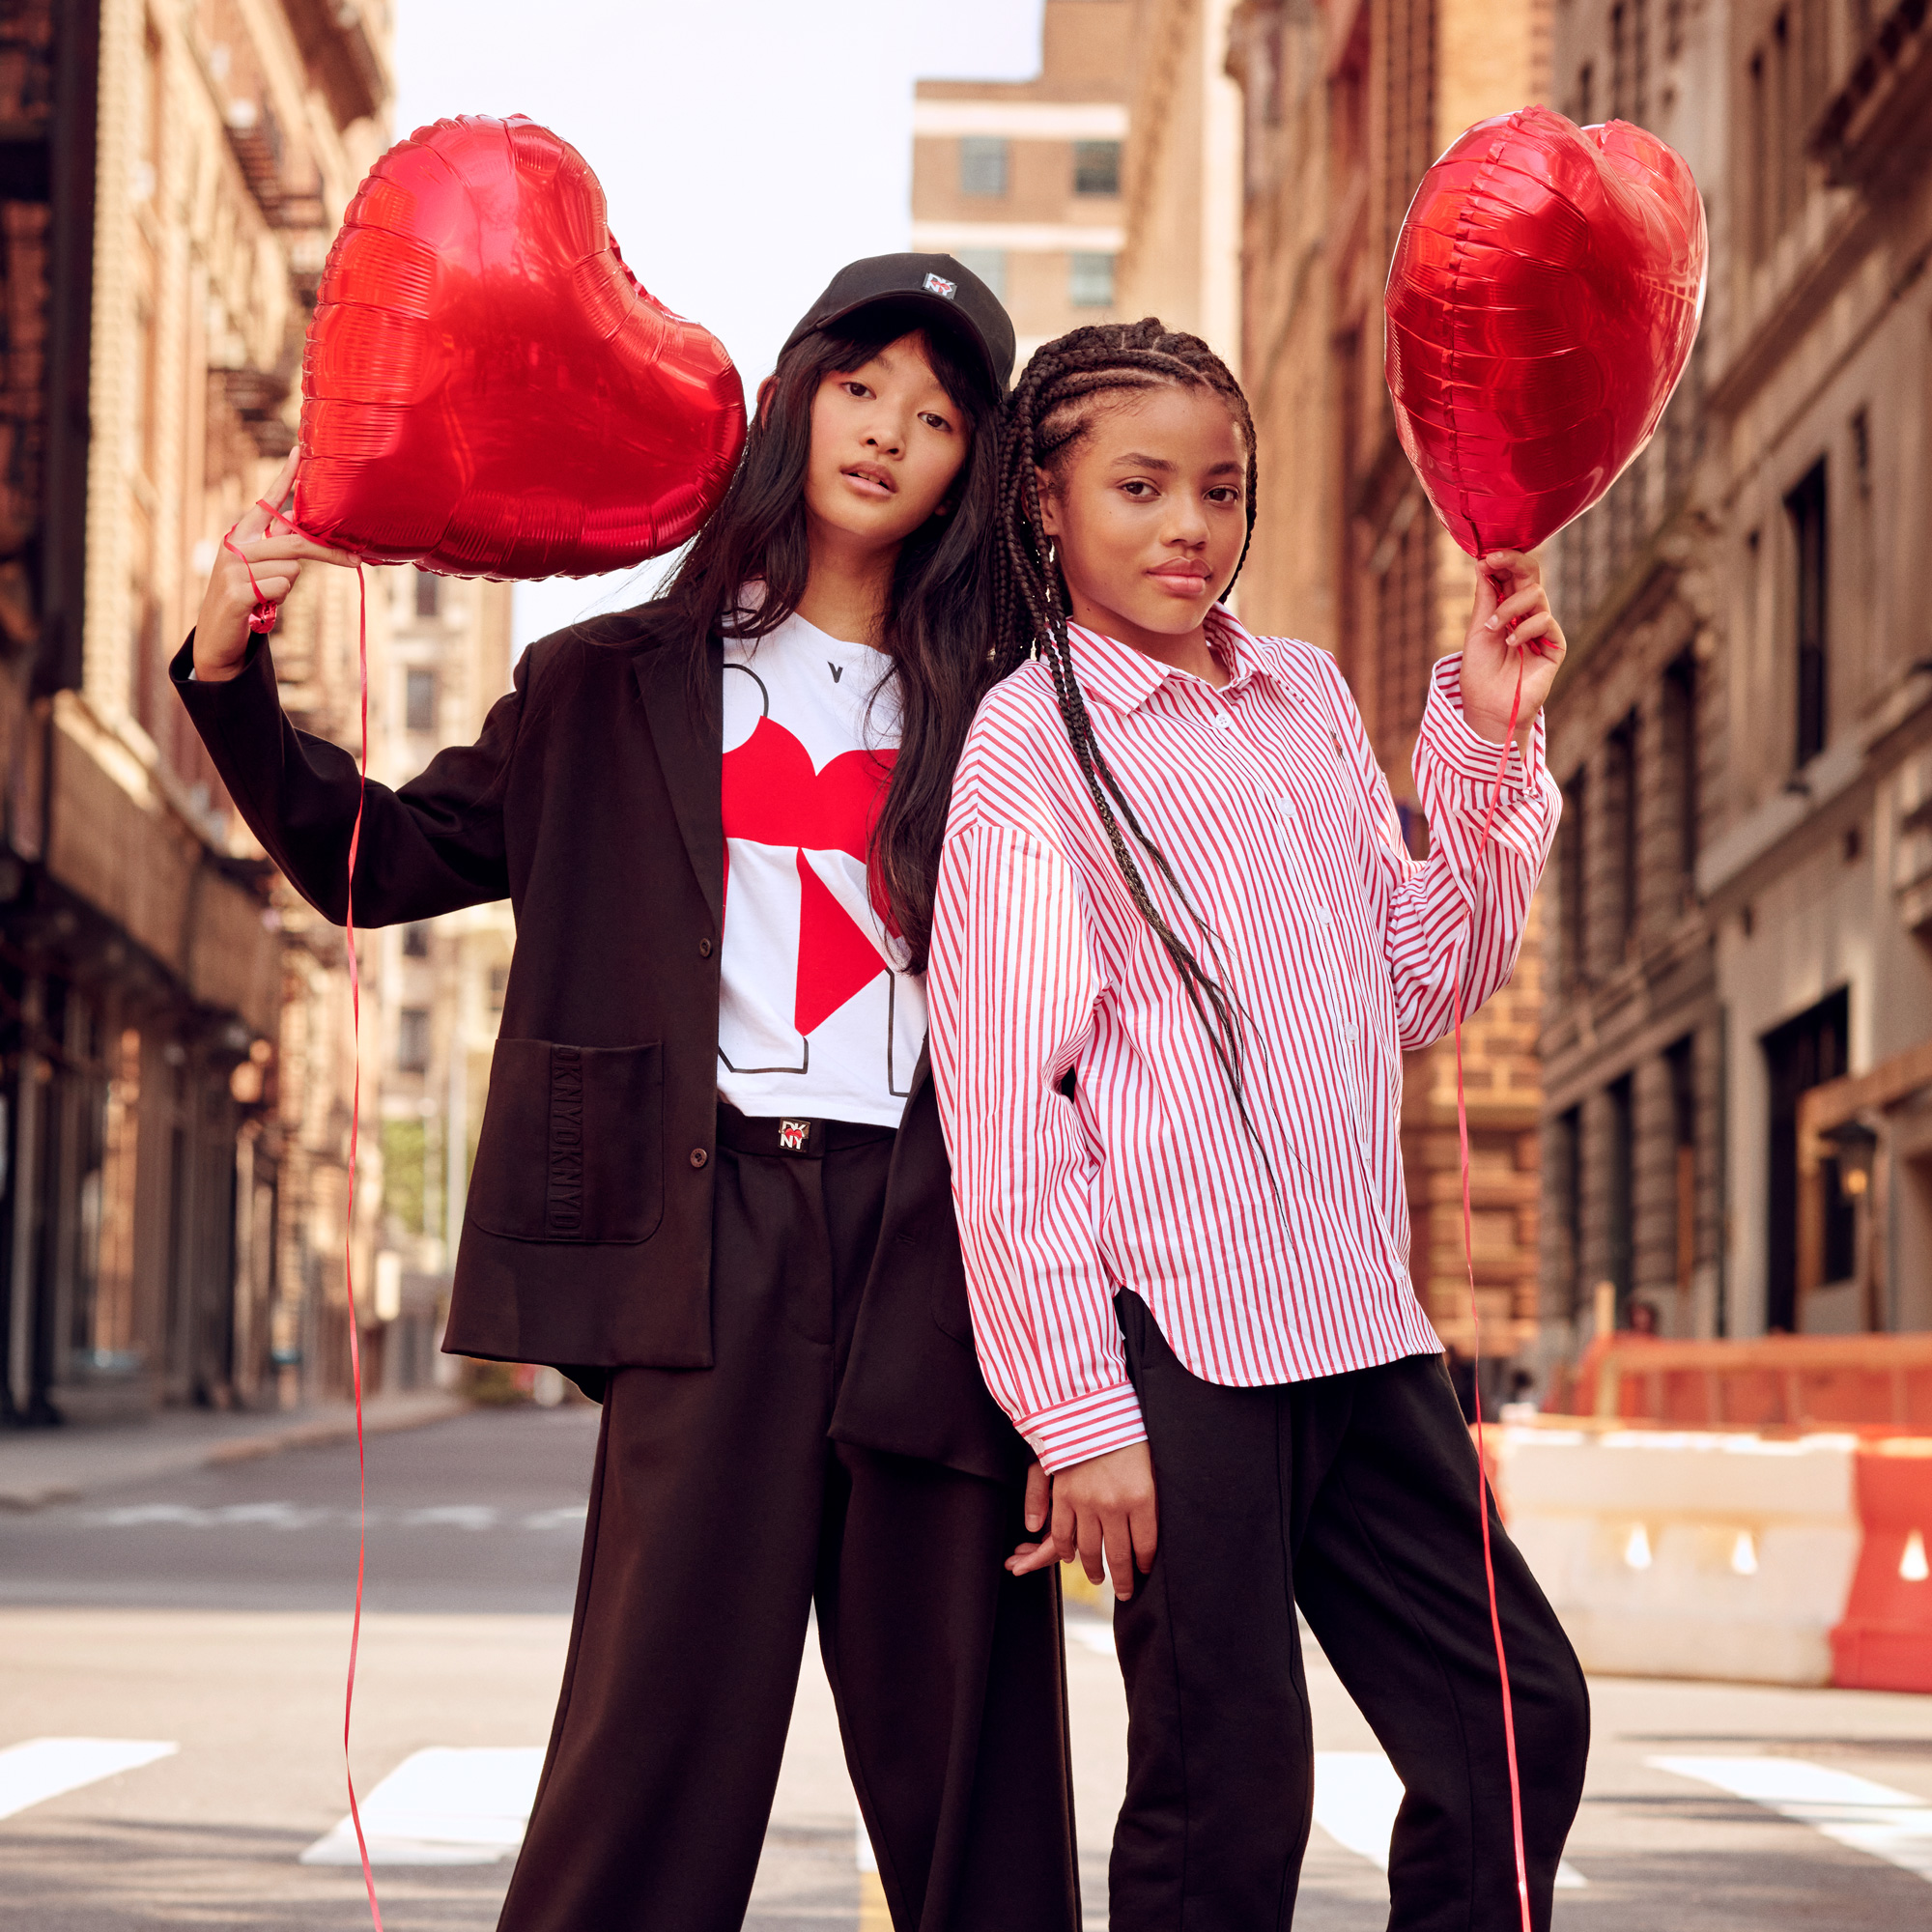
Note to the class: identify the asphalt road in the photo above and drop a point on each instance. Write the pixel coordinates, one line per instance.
(207, 1613)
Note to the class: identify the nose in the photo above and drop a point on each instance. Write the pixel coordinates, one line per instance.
(887, 440)
(1187, 524)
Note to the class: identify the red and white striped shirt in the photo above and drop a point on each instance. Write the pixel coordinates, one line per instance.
(1338, 946)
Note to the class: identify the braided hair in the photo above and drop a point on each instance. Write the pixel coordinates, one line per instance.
(1047, 416)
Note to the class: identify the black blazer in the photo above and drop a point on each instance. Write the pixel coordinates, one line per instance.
(591, 802)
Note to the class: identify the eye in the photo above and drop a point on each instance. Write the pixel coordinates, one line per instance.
(1225, 493)
(933, 420)
(1138, 488)
(855, 388)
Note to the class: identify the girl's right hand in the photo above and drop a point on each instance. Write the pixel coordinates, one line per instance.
(222, 631)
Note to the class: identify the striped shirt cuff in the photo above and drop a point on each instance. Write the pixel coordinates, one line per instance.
(1088, 1426)
(1449, 735)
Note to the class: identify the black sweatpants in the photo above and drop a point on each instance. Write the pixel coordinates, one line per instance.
(719, 1512)
(1354, 1496)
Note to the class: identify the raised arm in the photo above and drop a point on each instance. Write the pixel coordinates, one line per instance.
(433, 845)
(1456, 913)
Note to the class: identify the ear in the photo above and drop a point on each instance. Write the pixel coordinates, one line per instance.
(1049, 503)
(766, 390)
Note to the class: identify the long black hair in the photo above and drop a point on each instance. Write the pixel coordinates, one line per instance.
(1048, 416)
(934, 622)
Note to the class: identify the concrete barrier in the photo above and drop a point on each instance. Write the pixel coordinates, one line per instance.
(1680, 1553)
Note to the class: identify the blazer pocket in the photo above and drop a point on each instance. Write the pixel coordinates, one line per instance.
(572, 1147)
(945, 1284)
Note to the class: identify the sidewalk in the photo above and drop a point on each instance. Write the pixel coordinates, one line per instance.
(52, 1465)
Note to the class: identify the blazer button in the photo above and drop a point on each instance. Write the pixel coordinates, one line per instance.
(698, 1157)
(704, 949)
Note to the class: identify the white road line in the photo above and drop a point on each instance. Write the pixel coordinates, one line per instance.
(1356, 1797)
(441, 1807)
(43, 1768)
(310, 1515)
(1871, 1818)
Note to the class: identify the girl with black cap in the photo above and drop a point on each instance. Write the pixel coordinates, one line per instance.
(711, 1184)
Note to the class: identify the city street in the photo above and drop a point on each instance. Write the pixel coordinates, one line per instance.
(194, 1630)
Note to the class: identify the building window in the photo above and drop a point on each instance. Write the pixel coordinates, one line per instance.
(419, 699)
(1620, 1250)
(1620, 783)
(1587, 77)
(499, 980)
(1630, 61)
(1096, 167)
(988, 264)
(982, 164)
(1681, 1061)
(1567, 1166)
(1570, 864)
(415, 940)
(1680, 732)
(1089, 280)
(1803, 1054)
(412, 1039)
(429, 591)
(1805, 506)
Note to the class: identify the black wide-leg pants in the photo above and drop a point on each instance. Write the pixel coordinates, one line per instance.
(1354, 1496)
(720, 1512)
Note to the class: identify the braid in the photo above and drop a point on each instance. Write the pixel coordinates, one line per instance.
(1044, 421)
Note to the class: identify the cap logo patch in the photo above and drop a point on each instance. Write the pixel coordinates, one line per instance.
(938, 285)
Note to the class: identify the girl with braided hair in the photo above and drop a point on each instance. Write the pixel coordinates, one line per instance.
(1179, 948)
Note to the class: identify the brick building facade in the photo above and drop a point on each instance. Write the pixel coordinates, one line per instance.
(174, 1041)
(1737, 1060)
(1344, 106)
(1633, 1045)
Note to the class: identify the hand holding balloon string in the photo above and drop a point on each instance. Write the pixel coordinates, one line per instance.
(257, 566)
(1513, 651)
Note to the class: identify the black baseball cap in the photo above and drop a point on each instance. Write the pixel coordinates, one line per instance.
(953, 293)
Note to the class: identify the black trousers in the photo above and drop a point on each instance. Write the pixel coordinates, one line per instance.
(1354, 1496)
(720, 1512)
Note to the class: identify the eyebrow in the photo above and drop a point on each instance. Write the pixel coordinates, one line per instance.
(1136, 460)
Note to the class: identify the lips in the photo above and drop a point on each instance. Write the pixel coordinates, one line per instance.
(866, 472)
(1181, 573)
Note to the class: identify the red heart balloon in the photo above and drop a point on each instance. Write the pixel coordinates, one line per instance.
(1542, 304)
(486, 389)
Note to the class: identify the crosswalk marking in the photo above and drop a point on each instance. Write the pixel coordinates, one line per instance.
(287, 1516)
(441, 1807)
(44, 1768)
(1356, 1797)
(1871, 1818)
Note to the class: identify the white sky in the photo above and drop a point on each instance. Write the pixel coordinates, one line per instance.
(749, 147)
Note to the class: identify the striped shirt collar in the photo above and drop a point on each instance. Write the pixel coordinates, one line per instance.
(1123, 679)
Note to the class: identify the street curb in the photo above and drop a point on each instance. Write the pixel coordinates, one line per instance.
(335, 1429)
(171, 1459)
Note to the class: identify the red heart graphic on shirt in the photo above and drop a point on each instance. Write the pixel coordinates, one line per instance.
(1542, 304)
(486, 389)
(772, 794)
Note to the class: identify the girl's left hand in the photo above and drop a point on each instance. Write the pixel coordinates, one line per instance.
(1509, 593)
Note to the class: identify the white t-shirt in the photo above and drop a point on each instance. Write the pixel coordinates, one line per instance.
(818, 1018)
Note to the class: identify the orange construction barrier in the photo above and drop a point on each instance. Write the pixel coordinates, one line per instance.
(1884, 1642)
(1778, 1382)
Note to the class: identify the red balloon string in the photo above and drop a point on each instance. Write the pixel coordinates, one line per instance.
(354, 1124)
(262, 618)
(1483, 1491)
